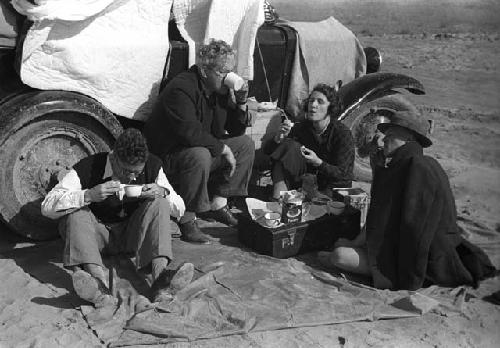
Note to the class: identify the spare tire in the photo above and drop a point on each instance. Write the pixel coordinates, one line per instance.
(363, 124)
(43, 134)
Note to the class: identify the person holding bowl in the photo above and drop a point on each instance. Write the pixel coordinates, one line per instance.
(320, 145)
(94, 216)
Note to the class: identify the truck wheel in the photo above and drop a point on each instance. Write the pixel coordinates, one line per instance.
(41, 137)
(363, 124)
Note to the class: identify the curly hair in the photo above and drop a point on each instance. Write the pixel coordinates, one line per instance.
(216, 55)
(131, 147)
(331, 95)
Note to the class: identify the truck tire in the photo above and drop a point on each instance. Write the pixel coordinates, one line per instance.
(363, 124)
(42, 135)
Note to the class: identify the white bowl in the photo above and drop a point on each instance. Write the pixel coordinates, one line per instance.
(335, 208)
(272, 219)
(133, 190)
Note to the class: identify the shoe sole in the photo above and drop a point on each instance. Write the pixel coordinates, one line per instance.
(86, 286)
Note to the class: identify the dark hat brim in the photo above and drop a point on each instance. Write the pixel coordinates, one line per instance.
(422, 139)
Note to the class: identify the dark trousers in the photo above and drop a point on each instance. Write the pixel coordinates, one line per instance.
(146, 233)
(197, 175)
(295, 165)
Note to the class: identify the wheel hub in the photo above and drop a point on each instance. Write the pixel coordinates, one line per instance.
(43, 158)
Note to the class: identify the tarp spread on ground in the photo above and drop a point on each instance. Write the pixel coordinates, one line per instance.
(326, 52)
(115, 50)
(254, 293)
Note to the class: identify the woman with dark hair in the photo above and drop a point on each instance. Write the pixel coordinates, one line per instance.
(320, 145)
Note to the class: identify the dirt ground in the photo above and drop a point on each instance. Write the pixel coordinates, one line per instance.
(453, 49)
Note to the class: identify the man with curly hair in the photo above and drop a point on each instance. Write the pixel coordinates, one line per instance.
(95, 217)
(197, 127)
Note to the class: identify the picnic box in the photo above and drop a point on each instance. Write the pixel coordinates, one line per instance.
(300, 237)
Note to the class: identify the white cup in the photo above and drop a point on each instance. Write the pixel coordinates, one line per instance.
(272, 219)
(234, 81)
(133, 190)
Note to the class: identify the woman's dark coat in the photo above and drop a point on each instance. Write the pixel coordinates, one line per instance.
(335, 146)
(412, 234)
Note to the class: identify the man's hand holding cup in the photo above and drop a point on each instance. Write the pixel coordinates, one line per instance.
(239, 87)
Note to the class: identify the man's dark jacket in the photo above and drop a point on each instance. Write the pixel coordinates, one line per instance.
(185, 115)
(412, 234)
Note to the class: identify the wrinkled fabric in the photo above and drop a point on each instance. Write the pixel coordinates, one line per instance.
(252, 293)
(67, 10)
(326, 52)
(235, 22)
(112, 51)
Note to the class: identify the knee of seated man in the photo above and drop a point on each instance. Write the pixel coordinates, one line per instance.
(247, 147)
(83, 214)
(160, 203)
(198, 157)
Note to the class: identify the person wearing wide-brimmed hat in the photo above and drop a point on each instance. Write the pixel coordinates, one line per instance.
(412, 238)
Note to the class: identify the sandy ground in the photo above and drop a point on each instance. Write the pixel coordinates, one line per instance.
(458, 64)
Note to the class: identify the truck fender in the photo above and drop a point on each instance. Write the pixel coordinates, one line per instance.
(367, 87)
(24, 108)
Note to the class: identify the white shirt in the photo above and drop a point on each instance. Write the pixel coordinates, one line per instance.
(68, 195)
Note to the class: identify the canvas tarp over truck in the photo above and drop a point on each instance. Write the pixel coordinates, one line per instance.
(8, 25)
(115, 50)
(326, 52)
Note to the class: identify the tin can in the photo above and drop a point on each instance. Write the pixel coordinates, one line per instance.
(291, 210)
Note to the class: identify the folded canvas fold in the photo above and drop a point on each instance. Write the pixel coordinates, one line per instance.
(115, 52)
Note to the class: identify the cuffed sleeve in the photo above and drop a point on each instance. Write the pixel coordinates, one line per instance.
(177, 207)
(66, 197)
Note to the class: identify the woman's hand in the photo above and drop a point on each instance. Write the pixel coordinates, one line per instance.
(311, 156)
(284, 130)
